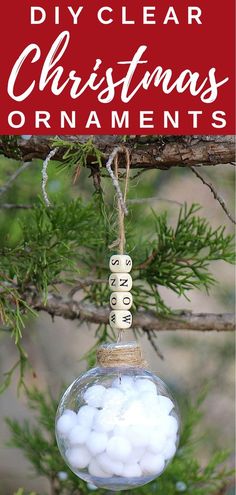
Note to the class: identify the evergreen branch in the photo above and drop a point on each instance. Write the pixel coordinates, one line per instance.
(157, 152)
(215, 193)
(69, 309)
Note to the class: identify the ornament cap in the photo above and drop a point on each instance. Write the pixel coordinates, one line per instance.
(120, 354)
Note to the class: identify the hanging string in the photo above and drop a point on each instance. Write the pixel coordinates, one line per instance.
(114, 179)
(121, 213)
(121, 199)
(121, 203)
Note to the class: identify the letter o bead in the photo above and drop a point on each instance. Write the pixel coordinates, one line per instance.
(120, 282)
(121, 300)
(120, 319)
(120, 263)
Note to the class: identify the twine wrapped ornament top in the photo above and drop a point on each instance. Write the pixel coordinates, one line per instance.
(120, 354)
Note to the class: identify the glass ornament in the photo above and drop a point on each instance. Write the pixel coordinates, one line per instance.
(117, 425)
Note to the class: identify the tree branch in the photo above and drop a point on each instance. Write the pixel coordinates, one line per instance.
(14, 176)
(215, 193)
(69, 309)
(146, 152)
(11, 206)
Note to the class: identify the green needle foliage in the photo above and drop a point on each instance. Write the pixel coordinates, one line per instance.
(71, 242)
(184, 474)
(77, 154)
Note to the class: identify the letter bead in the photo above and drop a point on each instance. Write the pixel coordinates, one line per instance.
(120, 319)
(121, 300)
(120, 263)
(120, 282)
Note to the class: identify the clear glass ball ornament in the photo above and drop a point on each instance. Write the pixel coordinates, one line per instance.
(117, 427)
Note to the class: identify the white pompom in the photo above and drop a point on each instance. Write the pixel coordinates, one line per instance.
(78, 457)
(105, 421)
(165, 403)
(65, 424)
(139, 437)
(137, 454)
(110, 466)
(86, 415)
(171, 425)
(132, 471)
(95, 470)
(97, 442)
(126, 384)
(149, 401)
(152, 464)
(94, 395)
(119, 448)
(70, 412)
(113, 399)
(121, 430)
(169, 450)
(145, 385)
(78, 434)
(134, 414)
(157, 442)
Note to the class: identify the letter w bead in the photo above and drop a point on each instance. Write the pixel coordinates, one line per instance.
(120, 319)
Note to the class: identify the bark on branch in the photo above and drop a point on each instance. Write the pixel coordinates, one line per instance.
(147, 320)
(149, 152)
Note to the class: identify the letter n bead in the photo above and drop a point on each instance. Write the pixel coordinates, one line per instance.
(120, 319)
(120, 282)
(121, 300)
(120, 263)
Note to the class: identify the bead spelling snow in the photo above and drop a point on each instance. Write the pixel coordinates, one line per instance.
(117, 425)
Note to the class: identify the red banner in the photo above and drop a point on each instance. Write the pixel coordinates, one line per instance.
(117, 67)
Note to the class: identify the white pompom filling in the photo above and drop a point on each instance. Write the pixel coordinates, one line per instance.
(86, 415)
(94, 395)
(165, 404)
(145, 385)
(132, 471)
(110, 466)
(65, 424)
(97, 442)
(105, 421)
(152, 464)
(119, 448)
(113, 399)
(157, 442)
(139, 437)
(169, 450)
(125, 430)
(78, 434)
(95, 470)
(78, 457)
